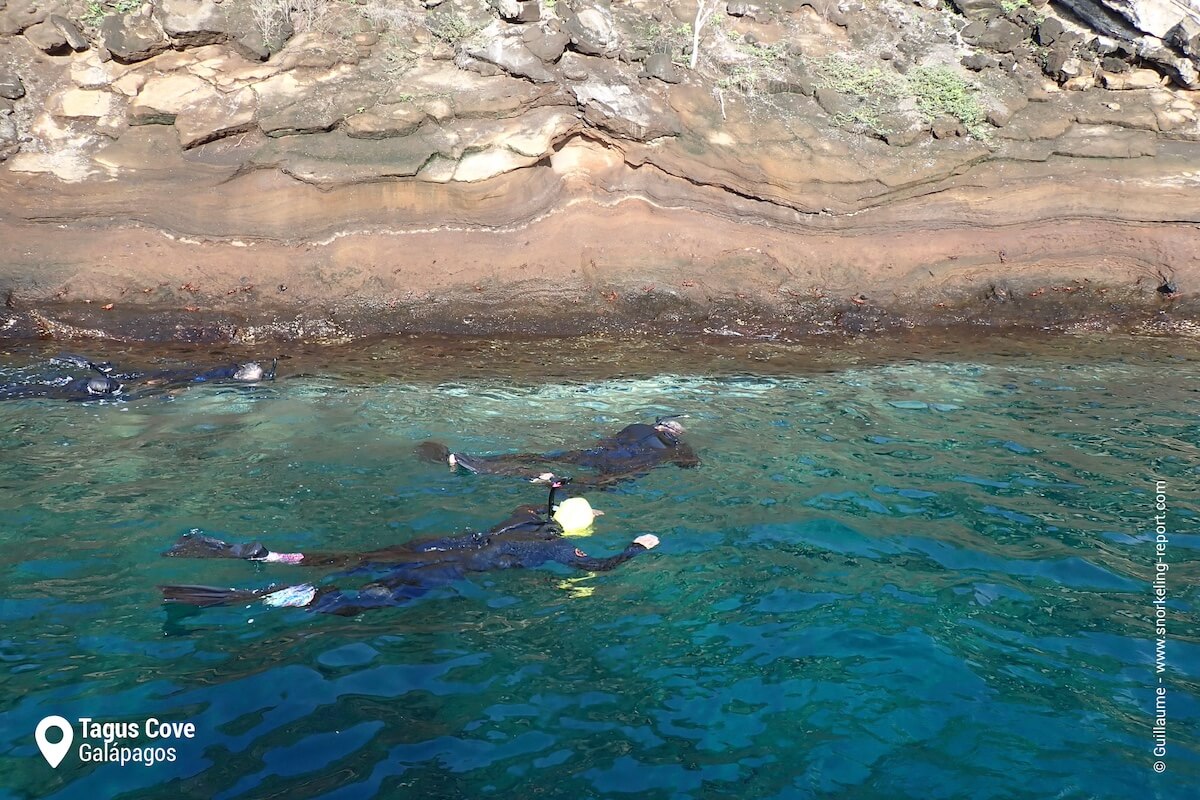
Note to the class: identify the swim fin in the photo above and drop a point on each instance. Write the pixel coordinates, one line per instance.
(205, 596)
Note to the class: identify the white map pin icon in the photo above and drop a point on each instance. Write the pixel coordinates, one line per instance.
(54, 752)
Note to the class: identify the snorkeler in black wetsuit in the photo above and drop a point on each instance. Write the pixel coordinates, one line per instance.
(405, 572)
(97, 386)
(408, 580)
(106, 383)
(169, 381)
(634, 451)
(524, 520)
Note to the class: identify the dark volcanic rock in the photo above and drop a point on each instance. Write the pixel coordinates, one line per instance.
(194, 23)
(979, 61)
(9, 139)
(132, 37)
(1056, 60)
(972, 31)
(1002, 36)
(11, 87)
(70, 31)
(1101, 19)
(47, 38)
(1048, 31)
(1114, 64)
(1185, 36)
(979, 9)
(547, 43)
(659, 65)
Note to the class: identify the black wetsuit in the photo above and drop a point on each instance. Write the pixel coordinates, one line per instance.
(95, 387)
(636, 450)
(524, 520)
(107, 383)
(399, 583)
(160, 381)
(404, 572)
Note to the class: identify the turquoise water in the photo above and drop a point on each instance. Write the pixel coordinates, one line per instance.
(904, 570)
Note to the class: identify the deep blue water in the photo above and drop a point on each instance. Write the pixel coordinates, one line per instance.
(910, 570)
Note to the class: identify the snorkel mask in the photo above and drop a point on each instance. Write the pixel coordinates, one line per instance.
(670, 424)
(249, 372)
(252, 371)
(101, 385)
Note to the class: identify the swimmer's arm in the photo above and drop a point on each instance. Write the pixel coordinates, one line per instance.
(582, 560)
(306, 559)
(315, 559)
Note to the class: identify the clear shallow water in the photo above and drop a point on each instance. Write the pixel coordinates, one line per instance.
(913, 570)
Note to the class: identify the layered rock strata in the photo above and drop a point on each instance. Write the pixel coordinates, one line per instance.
(173, 171)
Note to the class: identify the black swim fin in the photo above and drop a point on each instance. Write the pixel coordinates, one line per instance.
(196, 545)
(433, 451)
(205, 596)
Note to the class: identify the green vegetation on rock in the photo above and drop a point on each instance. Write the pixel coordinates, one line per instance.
(450, 27)
(96, 10)
(849, 77)
(938, 91)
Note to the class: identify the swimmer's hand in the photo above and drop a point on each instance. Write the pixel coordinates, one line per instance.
(647, 540)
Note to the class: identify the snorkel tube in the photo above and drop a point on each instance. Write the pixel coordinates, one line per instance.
(556, 485)
(574, 515)
(73, 360)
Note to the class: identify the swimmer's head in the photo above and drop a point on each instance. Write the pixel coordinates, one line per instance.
(101, 384)
(250, 371)
(670, 424)
(575, 516)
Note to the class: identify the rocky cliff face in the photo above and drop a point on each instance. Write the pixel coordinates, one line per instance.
(262, 168)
